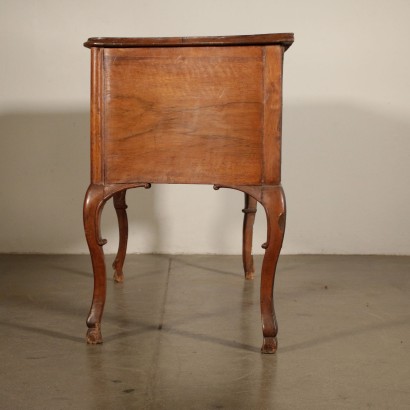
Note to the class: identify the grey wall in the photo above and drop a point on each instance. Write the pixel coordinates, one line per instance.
(346, 127)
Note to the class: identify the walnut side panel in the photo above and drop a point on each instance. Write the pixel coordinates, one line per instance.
(183, 115)
(272, 114)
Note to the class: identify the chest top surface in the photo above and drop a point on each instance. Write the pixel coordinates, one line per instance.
(283, 39)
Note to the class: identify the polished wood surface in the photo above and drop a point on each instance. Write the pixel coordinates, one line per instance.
(203, 110)
(194, 112)
(284, 40)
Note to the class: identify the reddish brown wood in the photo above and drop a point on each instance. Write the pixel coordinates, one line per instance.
(95, 199)
(283, 39)
(248, 221)
(121, 210)
(195, 112)
(272, 114)
(96, 130)
(93, 204)
(203, 110)
(272, 198)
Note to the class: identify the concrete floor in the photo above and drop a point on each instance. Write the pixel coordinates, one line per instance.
(183, 332)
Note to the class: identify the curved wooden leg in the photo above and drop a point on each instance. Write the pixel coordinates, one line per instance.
(120, 208)
(93, 204)
(95, 198)
(273, 200)
(248, 221)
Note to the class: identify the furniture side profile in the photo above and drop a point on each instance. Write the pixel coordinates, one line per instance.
(187, 110)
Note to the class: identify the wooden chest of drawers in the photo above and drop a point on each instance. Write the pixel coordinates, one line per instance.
(202, 110)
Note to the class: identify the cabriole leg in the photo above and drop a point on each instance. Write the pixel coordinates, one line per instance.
(93, 204)
(248, 221)
(273, 200)
(95, 198)
(120, 208)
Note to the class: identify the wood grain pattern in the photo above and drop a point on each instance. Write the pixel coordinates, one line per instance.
(183, 115)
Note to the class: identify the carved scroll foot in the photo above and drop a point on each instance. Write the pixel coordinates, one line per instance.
(248, 221)
(118, 275)
(120, 208)
(270, 345)
(94, 336)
